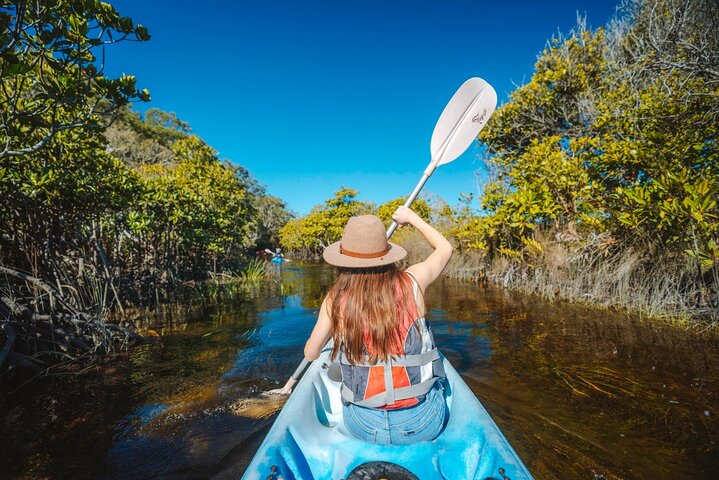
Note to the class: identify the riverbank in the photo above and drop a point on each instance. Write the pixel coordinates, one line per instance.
(102, 220)
(47, 329)
(657, 286)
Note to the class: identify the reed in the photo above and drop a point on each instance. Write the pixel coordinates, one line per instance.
(244, 283)
(45, 323)
(255, 271)
(596, 271)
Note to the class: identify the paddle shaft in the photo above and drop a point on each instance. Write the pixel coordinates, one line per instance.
(300, 370)
(410, 199)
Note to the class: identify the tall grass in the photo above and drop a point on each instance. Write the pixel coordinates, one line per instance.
(60, 320)
(256, 270)
(594, 271)
(245, 282)
(85, 286)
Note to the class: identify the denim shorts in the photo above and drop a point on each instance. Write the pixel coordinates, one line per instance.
(402, 426)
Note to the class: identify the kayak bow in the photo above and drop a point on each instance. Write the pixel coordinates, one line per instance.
(308, 440)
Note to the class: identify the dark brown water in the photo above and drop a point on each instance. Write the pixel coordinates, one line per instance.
(580, 393)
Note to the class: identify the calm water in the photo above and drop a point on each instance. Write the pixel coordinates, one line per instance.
(580, 394)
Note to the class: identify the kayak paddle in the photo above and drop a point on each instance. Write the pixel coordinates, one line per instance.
(461, 121)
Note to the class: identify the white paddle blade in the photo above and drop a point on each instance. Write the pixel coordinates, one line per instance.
(462, 119)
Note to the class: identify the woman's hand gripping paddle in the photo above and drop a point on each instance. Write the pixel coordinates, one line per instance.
(464, 116)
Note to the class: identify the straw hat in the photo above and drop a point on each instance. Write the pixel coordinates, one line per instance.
(364, 244)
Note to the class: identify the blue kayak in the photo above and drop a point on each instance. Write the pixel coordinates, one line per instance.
(308, 440)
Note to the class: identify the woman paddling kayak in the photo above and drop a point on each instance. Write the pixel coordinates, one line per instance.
(277, 256)
(392, 375)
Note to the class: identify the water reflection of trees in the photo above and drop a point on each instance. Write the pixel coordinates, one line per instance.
(199, 339)
(310, 281)
(579, 393)
(575, 386)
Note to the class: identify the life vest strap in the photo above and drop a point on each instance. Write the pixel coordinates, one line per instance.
(416, 360)
(382, 399)
(389, 382)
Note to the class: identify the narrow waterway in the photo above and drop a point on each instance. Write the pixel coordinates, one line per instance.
(580, 393)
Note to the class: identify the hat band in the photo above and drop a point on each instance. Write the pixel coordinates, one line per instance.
(364, 255)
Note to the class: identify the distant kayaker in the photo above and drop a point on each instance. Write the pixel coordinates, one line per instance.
(392, 377)
(277, 256)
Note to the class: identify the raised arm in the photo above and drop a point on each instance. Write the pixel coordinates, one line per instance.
(427, 271)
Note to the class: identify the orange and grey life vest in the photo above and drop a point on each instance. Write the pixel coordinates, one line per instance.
(401, 381)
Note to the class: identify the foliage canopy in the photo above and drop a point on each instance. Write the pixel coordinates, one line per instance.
(90, 186)
(615, 132)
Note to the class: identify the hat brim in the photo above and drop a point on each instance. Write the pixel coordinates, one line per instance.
(333, 256)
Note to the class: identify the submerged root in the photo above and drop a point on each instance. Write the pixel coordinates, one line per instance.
(586, 381)
(257, 408)
(41, 326)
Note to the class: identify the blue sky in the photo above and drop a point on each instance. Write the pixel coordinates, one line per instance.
(311, 95)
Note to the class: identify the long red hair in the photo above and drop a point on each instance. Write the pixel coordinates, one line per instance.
(366, 308)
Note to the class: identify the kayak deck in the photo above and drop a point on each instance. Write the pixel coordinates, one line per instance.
(309, 441)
